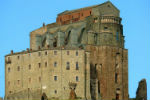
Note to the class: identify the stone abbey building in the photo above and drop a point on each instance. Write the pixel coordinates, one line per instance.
(80, 56)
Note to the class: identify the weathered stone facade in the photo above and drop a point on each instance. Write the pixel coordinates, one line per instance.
(81, 56)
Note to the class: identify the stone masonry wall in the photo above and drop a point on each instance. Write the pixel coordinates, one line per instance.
(45, 71)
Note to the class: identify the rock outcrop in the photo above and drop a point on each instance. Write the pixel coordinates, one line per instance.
(141, 93)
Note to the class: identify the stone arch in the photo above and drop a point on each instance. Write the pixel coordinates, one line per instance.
(44, 96)
(81, 35)
(67, 37)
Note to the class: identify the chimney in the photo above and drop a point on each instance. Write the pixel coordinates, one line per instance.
(12, 52)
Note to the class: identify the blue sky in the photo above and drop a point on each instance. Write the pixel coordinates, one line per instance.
(19, 17)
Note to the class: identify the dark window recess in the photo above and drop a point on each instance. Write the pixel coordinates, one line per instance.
(45, 64)
(18, 68)
(39, 65)
(55, 78)
(29, 67)
(116, 77)
(117, 96)
(8, 61)
(108, 6)
(90, 12)
(68, 66)
(55, 64)
(118, 89)
(76, 53)
(55, 91)
(117, 35)
(77, 66)
(82, 14)
(39, 79)
(9, 69)
(77, 78)
(55, 42)
(18, 57)
(105, 28)
(8, 83)
(46, 53)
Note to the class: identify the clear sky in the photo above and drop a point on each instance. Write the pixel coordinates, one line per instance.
(19, 17)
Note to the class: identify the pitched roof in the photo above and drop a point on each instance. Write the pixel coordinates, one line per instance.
(71, 11)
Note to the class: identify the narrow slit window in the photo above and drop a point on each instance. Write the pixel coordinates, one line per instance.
(67, 66)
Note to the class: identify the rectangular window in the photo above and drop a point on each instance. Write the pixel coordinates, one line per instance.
(45, 64)
(39, 79)
(55, 52)
(116, 77)
(117, 35)
(117, 96)
(67, 66)
(8, 69)
(10, 92)
(18, 57)
(90, 12)
(105, 28)
(46, 53)
(29, 67)
(18, 68)
(55, 78)
(39, 65)
(55, 91)
(77, 66)
(82, 14)
(77, 78)
(76, 53)
(8, 83)
(55, 64)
